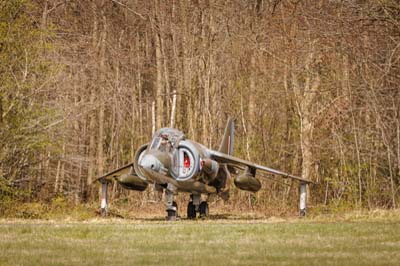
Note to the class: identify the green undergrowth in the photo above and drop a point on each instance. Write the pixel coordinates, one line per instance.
(61, 209)
(58, 208)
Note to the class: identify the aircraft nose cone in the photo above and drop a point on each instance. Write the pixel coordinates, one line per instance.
(150, 162)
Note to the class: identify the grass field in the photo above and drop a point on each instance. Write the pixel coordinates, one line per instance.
(372, 241)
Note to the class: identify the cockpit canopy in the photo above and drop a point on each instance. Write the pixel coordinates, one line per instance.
(183, 161)
(166, 140)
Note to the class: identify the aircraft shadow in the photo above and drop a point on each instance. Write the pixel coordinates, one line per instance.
(211, 217)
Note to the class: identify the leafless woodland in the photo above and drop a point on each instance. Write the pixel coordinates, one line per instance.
(314, 87)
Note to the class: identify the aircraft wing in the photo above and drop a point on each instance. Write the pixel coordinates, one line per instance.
(126, 169)
(234, 161)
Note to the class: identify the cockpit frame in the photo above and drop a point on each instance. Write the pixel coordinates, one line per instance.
(166, 140)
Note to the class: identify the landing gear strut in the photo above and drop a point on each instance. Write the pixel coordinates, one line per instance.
(104, 203)
(172, 207)
(196, 206)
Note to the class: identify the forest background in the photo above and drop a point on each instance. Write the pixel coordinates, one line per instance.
(313, 86)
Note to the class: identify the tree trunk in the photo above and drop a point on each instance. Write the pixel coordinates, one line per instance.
(158, 82)
(102, 96)
(305, 96)
(173, 109)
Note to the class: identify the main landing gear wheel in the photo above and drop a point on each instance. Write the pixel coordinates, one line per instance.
(191, 211)
(172, 214)
(203, 209)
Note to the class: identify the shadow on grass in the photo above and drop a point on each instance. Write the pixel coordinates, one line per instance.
(211, 217)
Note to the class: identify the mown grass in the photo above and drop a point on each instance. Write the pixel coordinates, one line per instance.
(373, 241)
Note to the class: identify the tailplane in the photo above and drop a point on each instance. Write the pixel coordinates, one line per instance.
(227, 141)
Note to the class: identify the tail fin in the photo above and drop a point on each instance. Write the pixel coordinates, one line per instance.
(227, 142)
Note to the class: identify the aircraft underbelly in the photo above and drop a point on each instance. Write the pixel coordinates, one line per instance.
(192, 186)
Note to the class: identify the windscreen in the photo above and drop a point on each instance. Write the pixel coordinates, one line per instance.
(166, 140)
(155, 143)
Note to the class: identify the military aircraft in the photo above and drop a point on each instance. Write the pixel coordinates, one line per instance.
(175, 164)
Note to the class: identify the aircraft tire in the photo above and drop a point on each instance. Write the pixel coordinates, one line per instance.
(191, 211)
(171, 215)
(203, 209)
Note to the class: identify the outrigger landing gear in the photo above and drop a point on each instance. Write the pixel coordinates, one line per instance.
(196, 206)
(104, 207)
(303, 199)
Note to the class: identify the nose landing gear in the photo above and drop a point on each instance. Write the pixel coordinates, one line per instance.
(172, 207)
(172, 213)
(195, 206)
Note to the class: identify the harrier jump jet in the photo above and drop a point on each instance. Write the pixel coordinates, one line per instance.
(175, 164)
